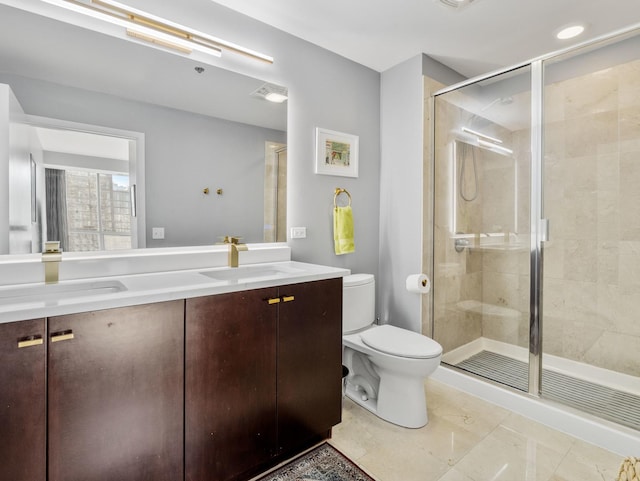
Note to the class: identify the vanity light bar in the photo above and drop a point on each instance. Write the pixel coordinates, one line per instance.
(156, 30)
(158, 41)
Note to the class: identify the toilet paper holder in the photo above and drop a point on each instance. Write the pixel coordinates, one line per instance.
(418, 283)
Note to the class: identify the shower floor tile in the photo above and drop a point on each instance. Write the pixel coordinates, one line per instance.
(618, 406)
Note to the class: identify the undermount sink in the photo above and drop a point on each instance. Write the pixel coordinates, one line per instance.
(251, 273)
(57, 292)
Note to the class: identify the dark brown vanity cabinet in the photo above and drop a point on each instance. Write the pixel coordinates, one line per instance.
(23, 401)
(309, 362)
(116, 384)
(263, 371)
(230, 398)
(212, 388)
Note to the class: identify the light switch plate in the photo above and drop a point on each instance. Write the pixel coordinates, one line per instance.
(157, 232)
(298, 232)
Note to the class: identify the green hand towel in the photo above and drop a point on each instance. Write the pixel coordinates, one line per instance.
(343, 230)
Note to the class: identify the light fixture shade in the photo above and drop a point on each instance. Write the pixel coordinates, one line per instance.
(149, 28)
(169, 41)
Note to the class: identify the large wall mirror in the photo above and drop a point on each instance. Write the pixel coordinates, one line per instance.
(108, 144)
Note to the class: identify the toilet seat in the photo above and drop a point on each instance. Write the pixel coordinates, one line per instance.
(401, 342)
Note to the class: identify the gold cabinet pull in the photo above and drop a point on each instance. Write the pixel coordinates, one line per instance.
(30, 341)
(288, 298)
(273, 300)
(62, 336)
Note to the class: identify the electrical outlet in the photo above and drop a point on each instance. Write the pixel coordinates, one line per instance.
(157, 232)
(298, 232)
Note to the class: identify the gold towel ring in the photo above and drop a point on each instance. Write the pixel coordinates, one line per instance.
(339, 191)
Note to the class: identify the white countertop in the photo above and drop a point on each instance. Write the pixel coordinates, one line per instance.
(36, 300)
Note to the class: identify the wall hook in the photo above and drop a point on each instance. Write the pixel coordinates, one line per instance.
(205, 191)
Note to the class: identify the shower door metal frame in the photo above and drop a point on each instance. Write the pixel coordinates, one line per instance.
(538, 228)
(538, 231)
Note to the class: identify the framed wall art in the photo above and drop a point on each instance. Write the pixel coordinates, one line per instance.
(336, 153)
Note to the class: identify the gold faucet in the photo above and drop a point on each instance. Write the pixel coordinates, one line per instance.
(234, 248)
(52, 256)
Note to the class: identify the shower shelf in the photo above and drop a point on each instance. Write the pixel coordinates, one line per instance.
(499, 247)
(484, 308)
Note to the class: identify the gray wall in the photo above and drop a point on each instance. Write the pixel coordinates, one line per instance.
(184, 153)
(325, 90)
(401, 189)
(4, 167)
(400, 192)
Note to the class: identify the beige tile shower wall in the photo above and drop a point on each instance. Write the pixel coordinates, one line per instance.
(506, 280)
(592, 199)
(430, 86)
(457, 277)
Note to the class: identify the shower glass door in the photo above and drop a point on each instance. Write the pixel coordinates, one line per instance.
(482, 231)
(591, 280)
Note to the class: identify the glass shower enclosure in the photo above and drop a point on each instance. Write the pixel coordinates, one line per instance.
(536, 227)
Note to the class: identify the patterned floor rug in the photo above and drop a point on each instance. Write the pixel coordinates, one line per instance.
(324, 463)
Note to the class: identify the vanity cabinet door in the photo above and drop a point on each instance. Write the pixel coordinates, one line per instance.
(22, 401)
(116, 385)
(309, 361)
(230, 384)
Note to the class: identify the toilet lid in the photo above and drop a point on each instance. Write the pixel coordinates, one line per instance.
(355, 280)
(401, 342)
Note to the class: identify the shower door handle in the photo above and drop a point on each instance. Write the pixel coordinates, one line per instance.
(543, 227)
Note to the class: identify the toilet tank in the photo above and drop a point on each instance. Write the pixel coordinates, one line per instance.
(358, 302)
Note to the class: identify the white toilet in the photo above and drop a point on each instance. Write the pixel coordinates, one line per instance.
(387, 364)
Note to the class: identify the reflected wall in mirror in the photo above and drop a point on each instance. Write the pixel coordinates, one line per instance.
(201, 129)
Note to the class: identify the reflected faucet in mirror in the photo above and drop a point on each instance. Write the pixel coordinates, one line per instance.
(51, 257)
(234, 248)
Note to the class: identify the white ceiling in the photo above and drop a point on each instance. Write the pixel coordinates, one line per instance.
(485, 36)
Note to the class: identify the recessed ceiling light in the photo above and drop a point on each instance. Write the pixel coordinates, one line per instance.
(271, 92)
(275, 97)
(570, 32)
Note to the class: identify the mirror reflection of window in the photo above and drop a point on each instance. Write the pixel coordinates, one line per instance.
(88, 211)
(89, 177)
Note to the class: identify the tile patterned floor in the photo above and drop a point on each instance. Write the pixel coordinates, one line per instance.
(468, 439)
